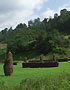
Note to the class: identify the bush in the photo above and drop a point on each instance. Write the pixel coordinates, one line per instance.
(60, 50)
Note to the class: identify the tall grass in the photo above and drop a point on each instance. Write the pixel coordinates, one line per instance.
(59, 82)
(56, 83)
(36, 78)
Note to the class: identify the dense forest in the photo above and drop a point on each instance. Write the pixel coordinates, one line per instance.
(49, 35)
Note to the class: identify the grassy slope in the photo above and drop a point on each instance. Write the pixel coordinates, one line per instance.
(33, 73)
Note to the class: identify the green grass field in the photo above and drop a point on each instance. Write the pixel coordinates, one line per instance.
(33, 73)
(33, 78)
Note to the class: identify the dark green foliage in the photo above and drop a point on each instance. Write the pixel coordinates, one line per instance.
(43, 36)
(8, 64)
(21, 26)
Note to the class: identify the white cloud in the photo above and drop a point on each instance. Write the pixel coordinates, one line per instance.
(13, 12)
(48, 13)
(65, 6)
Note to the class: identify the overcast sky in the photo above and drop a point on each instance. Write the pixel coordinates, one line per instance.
(13, 12)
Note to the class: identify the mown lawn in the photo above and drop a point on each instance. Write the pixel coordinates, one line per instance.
(33, 73)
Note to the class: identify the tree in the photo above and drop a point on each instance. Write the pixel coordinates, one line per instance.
(63, 12)
(30, 23)
(21, 26)
(56, 42)
(4, 31)
(36, 21)
(45, 20)
(55, 15)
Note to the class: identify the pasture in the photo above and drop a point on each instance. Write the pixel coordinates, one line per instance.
(20, 74)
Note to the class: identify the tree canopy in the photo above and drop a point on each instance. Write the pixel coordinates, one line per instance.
(43, 36)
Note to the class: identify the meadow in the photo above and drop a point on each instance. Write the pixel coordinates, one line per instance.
(26, 77)
(56, 78)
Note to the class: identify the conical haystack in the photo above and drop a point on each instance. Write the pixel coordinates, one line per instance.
(8, 65)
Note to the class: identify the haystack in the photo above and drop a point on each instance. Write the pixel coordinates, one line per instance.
(8, 64)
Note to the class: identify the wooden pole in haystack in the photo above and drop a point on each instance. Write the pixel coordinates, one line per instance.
(25, 59)
(41, 58)
(8, 64)
(54, 57)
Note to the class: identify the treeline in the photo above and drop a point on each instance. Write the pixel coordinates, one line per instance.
(49, 35)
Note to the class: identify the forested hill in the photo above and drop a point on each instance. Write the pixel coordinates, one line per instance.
(43, 36)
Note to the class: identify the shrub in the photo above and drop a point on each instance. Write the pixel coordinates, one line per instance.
(60, 50)
(8, 64)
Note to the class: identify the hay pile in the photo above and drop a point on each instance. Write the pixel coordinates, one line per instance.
(8, 64)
